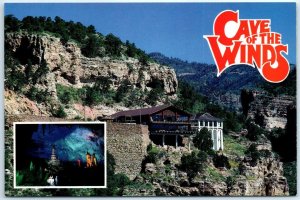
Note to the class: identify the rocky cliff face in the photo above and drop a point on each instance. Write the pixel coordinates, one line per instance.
(69, 67)
(270, 111)
(263, 179)
(19, 104)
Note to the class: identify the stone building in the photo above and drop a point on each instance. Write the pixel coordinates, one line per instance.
(213, 124)
(167, 124)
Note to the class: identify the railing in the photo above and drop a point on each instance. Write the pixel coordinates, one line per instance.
(208, 127)
(168, 122)
(165, 121)
(177, 132)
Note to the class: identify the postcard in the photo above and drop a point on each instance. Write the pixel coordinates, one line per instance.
(150, 99)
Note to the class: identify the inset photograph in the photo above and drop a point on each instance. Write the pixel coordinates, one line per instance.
(60, 154)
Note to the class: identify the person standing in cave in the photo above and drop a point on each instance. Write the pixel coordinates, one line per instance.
(88, 160)
(56, 180)
(78, 162)
(94, 160)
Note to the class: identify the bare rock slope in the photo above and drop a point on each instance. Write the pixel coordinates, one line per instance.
(271, 110)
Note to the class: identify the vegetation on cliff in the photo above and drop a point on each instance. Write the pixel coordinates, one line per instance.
(224, 89)
(235, 171)
(193, 102)
(25, 73)
(92, 43)
(283, 139)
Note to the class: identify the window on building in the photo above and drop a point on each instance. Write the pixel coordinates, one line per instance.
(182, 118)
(157, 117)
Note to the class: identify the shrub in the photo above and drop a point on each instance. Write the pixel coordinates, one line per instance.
(29, 70)
(230, 181)
(253, 153)
(11, 23)
(153, 97)
(60, 112)
(259, 119)
(144, 60)
(68, 95)
(38, 95)
(149, 147)
(112, 45)
(134, 98)
(91, 46)
(153, 154)
(42, 70)
(231, 122)
(120, 181)
(131, 50)
(122, 90)
(102, 84)
(290, 172)
(233, 147)
(253, 131)
(214, 174)
(193, 163)
(203, 140)
(77, 117)
(241, 168)
(130, 68)
(168, 169)
(221, 161)
(284, 141)
(189, 99)
(92, 96)
(15, 79)
(99, 92)
(265, 153)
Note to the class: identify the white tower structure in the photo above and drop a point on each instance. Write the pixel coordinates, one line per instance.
(214, 126)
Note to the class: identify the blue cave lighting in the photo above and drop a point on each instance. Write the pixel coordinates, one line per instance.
(72, 142)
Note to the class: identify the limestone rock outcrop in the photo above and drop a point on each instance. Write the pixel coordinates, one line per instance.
(264, 179)
(69, 67)
(271, 110)
(19, 105)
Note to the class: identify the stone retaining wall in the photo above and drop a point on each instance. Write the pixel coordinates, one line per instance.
(128, 144)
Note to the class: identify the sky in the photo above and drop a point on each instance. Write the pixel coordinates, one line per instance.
(173, 29)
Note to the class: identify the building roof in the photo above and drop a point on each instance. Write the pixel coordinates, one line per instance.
(143, 111)
(205, 117)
